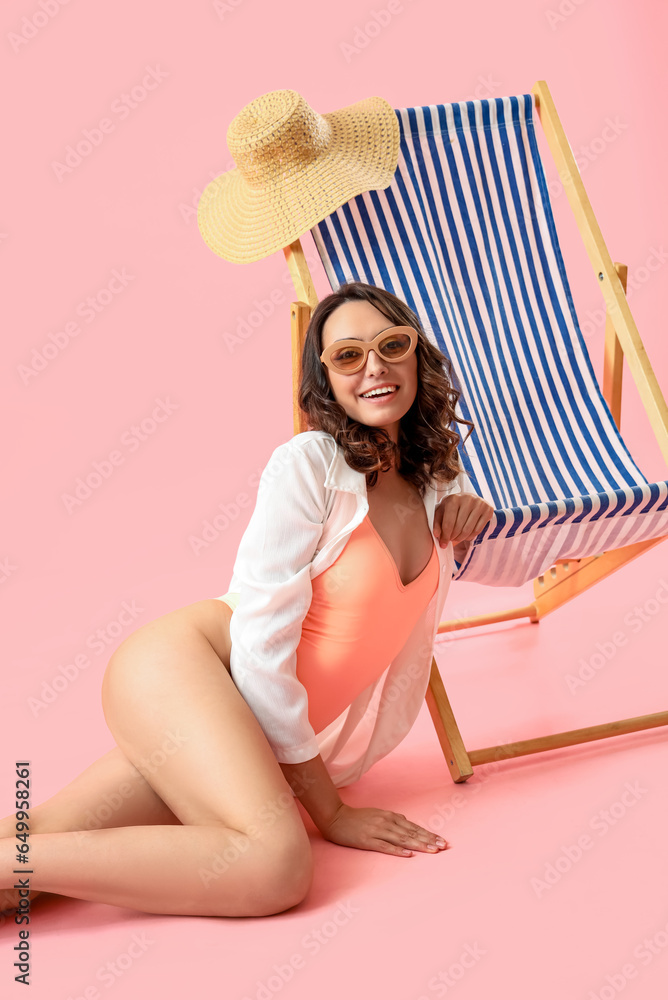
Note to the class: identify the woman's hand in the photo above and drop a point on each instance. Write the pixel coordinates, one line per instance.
(379, 830)
(459, 517)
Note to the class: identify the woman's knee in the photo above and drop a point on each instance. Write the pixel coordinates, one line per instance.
(286, 871)
(271, 874)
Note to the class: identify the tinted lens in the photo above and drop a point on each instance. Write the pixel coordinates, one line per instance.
(347, 357)
(395, 346)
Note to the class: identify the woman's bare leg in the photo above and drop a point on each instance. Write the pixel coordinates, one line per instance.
(110, 792)
(241, 848)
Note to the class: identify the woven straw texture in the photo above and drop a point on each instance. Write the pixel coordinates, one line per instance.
(294, 167)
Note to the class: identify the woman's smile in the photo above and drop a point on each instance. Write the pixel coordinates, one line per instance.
(382, 397)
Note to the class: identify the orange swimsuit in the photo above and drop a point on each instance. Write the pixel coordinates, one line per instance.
(360, 616)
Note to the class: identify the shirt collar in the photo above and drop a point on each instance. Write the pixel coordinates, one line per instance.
(340, 476)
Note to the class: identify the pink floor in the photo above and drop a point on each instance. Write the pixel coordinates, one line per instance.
(555, 882)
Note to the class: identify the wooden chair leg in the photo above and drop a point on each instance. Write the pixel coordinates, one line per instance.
(613, 359)
(571, 738)
(446, 727)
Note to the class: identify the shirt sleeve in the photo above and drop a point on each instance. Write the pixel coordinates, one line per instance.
(272, 577)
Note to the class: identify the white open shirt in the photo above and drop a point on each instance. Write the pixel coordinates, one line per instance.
(309, 501)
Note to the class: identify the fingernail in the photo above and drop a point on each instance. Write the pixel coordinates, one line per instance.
(440, 842)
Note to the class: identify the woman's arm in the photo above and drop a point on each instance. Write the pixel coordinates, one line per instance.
(366, 828)
(313, 786)
(461, 514)
(272, 575)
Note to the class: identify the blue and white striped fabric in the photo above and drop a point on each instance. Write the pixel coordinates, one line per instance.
(465, 235)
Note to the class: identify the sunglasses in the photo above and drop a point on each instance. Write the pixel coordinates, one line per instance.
(348, 356)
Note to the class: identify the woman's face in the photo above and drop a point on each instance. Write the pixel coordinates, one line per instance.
(360, 320)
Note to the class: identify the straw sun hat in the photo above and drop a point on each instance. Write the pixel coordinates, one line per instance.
(294, 167)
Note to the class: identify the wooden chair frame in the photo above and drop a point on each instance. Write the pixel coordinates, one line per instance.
(566, 579)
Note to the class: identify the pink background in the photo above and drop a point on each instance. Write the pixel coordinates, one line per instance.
(129, 207)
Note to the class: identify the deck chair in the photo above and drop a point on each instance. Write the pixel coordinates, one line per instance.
(465, 235)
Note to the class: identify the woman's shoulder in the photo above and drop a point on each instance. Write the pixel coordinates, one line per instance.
(310, 443)
(306, 437)
(309, 453)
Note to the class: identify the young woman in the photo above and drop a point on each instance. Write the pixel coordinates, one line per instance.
(227, 709)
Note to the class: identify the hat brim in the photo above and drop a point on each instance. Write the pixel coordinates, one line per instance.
(244, 224)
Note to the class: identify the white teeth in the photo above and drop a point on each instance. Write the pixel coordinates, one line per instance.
(379, 392)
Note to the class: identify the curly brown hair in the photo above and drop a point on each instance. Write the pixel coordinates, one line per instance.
(427, 447)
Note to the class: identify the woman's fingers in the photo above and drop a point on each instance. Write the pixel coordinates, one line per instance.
(410, 836)
(475, 521)
(385, 847)
(461, 517)
(457, 517)
(461, 533)
(373, 829)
